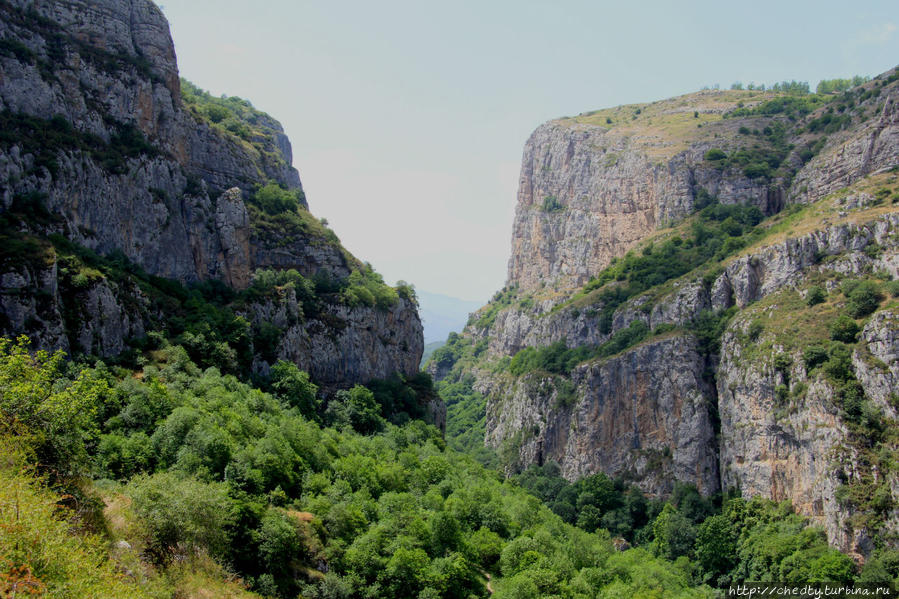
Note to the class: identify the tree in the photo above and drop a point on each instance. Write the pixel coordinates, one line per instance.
(356, 408)
(182, 513)
(816, 295)
(863, 299)
(293, 386)
(674, 534)
(279, 546)
(57, 415)
(844, 329)
(716, 548)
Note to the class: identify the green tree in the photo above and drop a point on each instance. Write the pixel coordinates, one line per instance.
(674, 535)
(816, 295)
(293, 386)
(863, 299)
(716, 548)
(844, 329)
(356, 408)
(182, 514)
(59, 414)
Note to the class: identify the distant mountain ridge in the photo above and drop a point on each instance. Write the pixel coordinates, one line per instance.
(442, 314)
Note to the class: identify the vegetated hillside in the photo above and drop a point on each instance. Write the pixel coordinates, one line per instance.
(170, 480)
(134, 203)
(650, 327)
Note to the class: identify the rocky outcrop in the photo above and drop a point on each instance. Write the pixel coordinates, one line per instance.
(342, 344)
(746, 279)
(591, 189)
(88, 314)
(643, 414)
(775, 448)
(877, 365)
(109, 65)
(588, 194)
(99, 148)
(751, 277)
(867, 148)
(611, 416)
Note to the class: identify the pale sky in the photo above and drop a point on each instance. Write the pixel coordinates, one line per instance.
(408, 119)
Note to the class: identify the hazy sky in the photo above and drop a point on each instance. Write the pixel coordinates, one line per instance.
(408, 118)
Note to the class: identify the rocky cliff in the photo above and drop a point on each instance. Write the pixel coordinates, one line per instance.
(594, 186)
(655, 323)
(130, 169)
(122, 186)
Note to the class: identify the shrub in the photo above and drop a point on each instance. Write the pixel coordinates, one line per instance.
(814, 356)
(754, 170)
(839, 363)
(367, 288)
(816, 295)
(755, 330)
(864, 298)
(356, 408)
(182, 513)
(274, 199)
(59, 413)
(715, 154)
(552, 204)
(844, 329)
(293, 386)
(892, 287)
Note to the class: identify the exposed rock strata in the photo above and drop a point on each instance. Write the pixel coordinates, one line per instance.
(589, 193)
(160, 211)
(643, 414)
(610, 196)
(177, 208)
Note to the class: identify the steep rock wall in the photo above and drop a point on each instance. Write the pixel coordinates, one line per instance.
(128, 167)
(609, 195)
(643, 414)
(109, 64)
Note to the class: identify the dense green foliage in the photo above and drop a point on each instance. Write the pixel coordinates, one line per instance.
(559, 359)
(367, 288)
(236, 117)
(724, 540)
(790, 106)
(274, 199)
(503, 298)
(465, 407)
(212, 466)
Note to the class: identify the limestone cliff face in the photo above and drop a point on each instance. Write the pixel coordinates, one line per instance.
(96, 317)
(593, 186)
(774, 451)
(643, 414)
(108, 64)
(802, 449)
(853, 153)
(629, 411)
(588, 194)
(880, 376)
(343, 343)
(129, 167)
